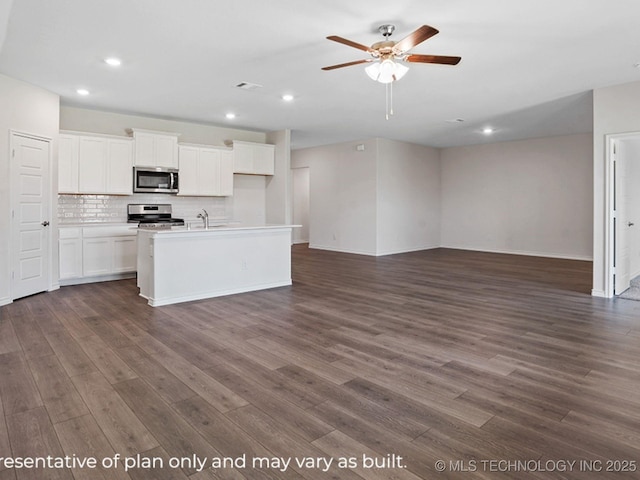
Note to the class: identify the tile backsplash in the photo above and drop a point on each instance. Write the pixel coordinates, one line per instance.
(73, 209)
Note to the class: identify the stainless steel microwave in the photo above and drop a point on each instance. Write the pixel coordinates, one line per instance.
(155, 180)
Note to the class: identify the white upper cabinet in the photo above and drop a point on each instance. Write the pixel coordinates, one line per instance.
(155, 149)
(92, 165)
(95, 164)
(119, 166)
(253, 158)
(205, 171)
(68, 163)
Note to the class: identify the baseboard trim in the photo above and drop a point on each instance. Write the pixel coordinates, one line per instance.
(598, 293)
(370, 254)
(341, 250)
(585, 258)
(406, 250)
(103, 278)
(159, 302)
(5, 301)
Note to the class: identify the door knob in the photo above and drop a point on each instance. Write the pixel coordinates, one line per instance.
(630, 224)
(45, 223)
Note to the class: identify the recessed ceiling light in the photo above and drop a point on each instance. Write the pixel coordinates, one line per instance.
(82, 91)
(113, 61)
(230, 116)
(287, 97)
(488, 130)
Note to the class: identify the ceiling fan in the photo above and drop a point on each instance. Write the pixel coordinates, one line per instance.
(387, 53)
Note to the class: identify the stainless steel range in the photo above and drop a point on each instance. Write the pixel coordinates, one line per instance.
(152, 216)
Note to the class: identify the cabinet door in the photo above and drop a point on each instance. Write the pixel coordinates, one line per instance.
(97, 255)
(70, 253)
(144, 149)
(120, 167)
(226, 174)
(166, 151)
(208, 166)
(263, 159)
(67, 164)
(188, 170)
(242, 158)
(125, 254)
(92, 165)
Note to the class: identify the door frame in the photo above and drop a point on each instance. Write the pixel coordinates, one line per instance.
(609, 202)
(12, 207)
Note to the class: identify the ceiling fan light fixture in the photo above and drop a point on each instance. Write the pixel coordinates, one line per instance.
(386, 71)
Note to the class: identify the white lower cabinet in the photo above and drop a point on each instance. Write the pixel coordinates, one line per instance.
(97, 253)
(70, 252)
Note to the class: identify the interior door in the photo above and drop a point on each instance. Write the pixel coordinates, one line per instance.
(30, 215)
(622, 259)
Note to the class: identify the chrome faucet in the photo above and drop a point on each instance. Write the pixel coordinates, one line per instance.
(205, 218)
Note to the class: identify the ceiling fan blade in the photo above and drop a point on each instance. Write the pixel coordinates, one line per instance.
(333, 67)
(349, 43)
(420, 35)
(442, 59)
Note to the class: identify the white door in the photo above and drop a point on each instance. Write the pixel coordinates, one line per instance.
(31, 211)
(622, 277)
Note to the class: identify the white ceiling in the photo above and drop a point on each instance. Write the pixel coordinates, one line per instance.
(527, 67)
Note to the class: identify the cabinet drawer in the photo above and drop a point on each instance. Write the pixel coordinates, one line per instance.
(109, 231)
(64, 233)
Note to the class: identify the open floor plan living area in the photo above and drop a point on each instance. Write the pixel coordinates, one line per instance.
(319, 240)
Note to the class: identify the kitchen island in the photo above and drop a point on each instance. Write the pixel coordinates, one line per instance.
(179, 264)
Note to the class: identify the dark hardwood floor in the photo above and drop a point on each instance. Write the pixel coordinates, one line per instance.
(500, 366)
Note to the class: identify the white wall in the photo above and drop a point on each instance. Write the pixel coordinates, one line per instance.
(615, 110)
(27, 109)
(530, 197)
(278, 194)
(408, 197)
(342, 197)
(96, 121)
(300, 204)
(377, 201)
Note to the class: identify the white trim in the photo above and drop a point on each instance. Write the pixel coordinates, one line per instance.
(609, 190)
(100, 135)
(562, 256)
(598, 293)
(407, 250)
(203, 295)
(341, 250)
(22, 133)
(100, 278)
(5, 301)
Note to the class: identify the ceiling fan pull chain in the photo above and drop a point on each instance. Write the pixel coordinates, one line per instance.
(388, 99)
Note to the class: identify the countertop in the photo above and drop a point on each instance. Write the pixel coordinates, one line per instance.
(97, 224)
(212, 229)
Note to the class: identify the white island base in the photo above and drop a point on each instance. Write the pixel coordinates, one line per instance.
(179, 265)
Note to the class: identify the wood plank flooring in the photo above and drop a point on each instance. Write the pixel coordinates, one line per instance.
(500, 366)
